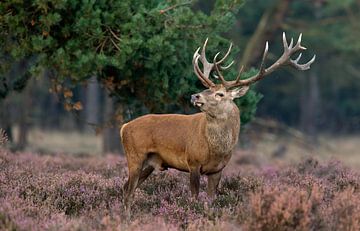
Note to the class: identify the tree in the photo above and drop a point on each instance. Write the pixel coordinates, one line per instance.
(139, 50)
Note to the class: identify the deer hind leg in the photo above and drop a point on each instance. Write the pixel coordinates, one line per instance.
(136, 177)
(213, 183)
(130, 186)
(135, 165)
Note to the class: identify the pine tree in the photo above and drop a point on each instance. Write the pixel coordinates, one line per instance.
(140, 51)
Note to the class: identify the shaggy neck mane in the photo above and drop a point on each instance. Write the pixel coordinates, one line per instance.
(222, 132)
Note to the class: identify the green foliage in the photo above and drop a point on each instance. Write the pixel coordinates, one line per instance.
(140, 50)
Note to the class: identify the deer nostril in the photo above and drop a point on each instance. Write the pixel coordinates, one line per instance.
(195, 97)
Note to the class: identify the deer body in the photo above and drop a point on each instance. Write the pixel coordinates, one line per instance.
(183, 142)
(201, 143)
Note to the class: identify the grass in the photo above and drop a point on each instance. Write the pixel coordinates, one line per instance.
(71, 142)
(292, 150)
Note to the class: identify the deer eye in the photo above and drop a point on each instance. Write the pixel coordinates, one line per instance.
(219, 94)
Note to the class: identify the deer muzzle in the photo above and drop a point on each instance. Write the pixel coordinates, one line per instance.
(196, 100)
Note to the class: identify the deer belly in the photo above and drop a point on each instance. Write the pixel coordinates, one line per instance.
(171, 151)
(167, 159)
(177, 161)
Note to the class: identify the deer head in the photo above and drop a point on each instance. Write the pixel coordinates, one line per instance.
(217, 99)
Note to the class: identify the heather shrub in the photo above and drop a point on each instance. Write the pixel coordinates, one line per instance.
(279, 208)
(60, 192)
(344, 211)
(6, 221)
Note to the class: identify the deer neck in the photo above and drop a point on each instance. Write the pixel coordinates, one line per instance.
(222, 131)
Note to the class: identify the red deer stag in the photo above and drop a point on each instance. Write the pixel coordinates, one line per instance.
(202, 143)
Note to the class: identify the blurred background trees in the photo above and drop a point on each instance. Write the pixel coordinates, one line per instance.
(75, 65)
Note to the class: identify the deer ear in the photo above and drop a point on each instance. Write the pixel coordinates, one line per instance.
(238, 92)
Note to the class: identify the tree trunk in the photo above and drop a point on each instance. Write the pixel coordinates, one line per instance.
(24, 108)
(310, 102)
(51, 119)
(257, 36)
(5, 121)
(93, 96)
(269, 23)
(111, 136)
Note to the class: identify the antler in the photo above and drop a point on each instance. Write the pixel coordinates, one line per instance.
(282, 61)
(207, 66)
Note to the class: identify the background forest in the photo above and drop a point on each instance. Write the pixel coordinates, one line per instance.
(91, 65)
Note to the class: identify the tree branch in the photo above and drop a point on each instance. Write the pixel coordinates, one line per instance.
(270, 21)
(174, 6)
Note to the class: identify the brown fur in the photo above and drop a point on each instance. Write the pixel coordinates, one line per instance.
(201, 143)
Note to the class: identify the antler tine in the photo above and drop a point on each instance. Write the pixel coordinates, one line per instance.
(216, 64)
(285, 44)
(239, 75)
(291, 49)
(203, 75)
(262, 65)
(208, 67)
(194, 62)
(226, 67)
(301, 67)
(223, 59)
(220, 76)
(298, 44)
(298, 47)
(298, 58)
(203, 50)
(218, 67)
(291, 43)
(258, 76)
(205, 80)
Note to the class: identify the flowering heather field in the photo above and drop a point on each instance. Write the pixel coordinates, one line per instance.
(62, 192)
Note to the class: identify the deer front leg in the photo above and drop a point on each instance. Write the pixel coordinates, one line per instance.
(195, 181)
(213, 183)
